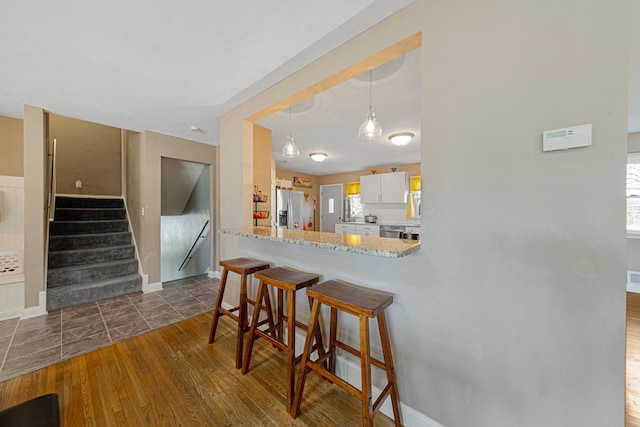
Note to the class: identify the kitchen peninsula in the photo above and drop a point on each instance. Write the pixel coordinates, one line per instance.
(366, 245)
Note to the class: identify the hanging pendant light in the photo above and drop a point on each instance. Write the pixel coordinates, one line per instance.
(370, 129)
(290, 149)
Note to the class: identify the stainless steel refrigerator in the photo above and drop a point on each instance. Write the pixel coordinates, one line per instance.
(292, 210)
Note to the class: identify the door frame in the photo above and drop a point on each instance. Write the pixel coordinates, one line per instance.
(322, 201)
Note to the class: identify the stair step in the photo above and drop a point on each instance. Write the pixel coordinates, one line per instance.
(90, 272)
(89, 214)
(80, 293)
(81, 241)
(87, 202)
(68, 258)
(87, 227)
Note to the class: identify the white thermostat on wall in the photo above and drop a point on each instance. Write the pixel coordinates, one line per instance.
(566, 138)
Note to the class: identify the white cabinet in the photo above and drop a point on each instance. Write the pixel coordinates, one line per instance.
(384, 188)
(412, 229)
(345, 229)
(368, 230)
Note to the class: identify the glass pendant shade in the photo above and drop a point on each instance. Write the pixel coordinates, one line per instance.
(370, 129)
(290, 149)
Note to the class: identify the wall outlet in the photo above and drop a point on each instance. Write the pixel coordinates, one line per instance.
(78, 184)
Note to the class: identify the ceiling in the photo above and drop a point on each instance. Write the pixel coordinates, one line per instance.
(329, 122)
(165, 65)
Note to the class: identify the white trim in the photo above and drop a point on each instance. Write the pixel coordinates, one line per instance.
(633, 286)
(38, 310)
(214, 274)
(11, 181)
(10, 314)
(153, 287)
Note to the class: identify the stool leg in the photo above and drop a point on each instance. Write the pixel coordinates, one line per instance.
(332, 340)
(267, 304)
(216, 311)
(365, 364)
(318, 336)
(306, 356)
(291, 346)
(280, 315)
(252, 329)
(390, 369)
(242, 320)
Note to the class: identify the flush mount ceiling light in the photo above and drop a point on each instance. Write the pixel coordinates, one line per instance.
(401, 138)
(370, 129)
(318, 157)
(290, 149)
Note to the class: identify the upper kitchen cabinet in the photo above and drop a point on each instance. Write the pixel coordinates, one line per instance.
(384, 188)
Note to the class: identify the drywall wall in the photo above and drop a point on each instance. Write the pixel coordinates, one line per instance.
(11, 146)
(35, 203)
(513, 312)
(88, 152)
(134, 192)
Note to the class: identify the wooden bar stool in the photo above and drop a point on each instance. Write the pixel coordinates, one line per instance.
(290, 281)
(244, 267)
(364, 303)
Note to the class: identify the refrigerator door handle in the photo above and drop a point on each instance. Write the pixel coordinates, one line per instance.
(289, 212)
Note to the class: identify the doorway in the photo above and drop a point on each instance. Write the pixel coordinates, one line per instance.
(331, 207)
(185, 242)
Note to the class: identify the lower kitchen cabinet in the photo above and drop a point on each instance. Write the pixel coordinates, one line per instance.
(358, 229)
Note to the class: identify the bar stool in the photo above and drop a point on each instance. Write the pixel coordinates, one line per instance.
(364, 303)
(290, 281)
(244, 267)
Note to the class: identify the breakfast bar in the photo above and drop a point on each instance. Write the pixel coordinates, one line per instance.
(367, 245)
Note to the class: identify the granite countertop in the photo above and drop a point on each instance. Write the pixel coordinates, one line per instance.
(366, 245)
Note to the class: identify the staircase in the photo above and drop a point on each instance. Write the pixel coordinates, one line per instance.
(91, 257)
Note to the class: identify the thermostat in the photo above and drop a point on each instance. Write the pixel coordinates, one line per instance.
(567, 138)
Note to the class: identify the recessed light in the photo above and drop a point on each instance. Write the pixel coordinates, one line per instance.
(195, 129)
(318, 157)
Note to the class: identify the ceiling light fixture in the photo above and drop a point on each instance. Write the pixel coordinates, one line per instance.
(318, 157)
(370, 129)
(401, 138)
(290, 149)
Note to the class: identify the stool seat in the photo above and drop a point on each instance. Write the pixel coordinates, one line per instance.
(352, 299)
(244, 267)
(365, 304)
(288, 279)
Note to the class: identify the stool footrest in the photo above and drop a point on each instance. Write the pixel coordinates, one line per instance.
(263, 334)
(380, 399)
(355, 352)
(229, 312)
(334, 379)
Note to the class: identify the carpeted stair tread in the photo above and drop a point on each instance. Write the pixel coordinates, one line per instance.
(88, 202)
(87, 227)
(72, 257)
(80, 293)
(89, 214)
(64, 276)
(65, 242)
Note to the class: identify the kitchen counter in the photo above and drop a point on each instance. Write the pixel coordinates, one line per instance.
(366, 245)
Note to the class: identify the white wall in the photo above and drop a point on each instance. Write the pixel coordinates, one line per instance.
(513, 312)
(633, 245)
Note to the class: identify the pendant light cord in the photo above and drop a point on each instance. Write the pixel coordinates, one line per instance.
(370, 83)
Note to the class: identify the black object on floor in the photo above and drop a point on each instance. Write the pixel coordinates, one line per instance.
(43, 411)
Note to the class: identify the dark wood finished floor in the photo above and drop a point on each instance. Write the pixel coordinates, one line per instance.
(173, 377)
(632, 417)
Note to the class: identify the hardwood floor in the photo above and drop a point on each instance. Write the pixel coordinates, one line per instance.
(172, 377)
(632, 416)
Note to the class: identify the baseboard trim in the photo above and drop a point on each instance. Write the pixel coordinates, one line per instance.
(215, 274)
(633, 281)
(633, 287)
(151, 287)
(38, 310)
(10, 314)
(349, 370)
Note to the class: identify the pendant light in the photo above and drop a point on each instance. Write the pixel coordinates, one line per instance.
(290, 149)
(370, 129)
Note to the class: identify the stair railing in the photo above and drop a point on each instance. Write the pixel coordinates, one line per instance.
(196, 243)
(51, 206)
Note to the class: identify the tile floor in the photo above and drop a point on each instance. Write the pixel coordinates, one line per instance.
(30, 344)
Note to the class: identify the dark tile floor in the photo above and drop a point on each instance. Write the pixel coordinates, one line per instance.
(30, 344)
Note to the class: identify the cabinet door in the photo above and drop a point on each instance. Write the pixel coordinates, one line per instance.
(345, 228)
(394, 187)
(368, 230)
(370, 189)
